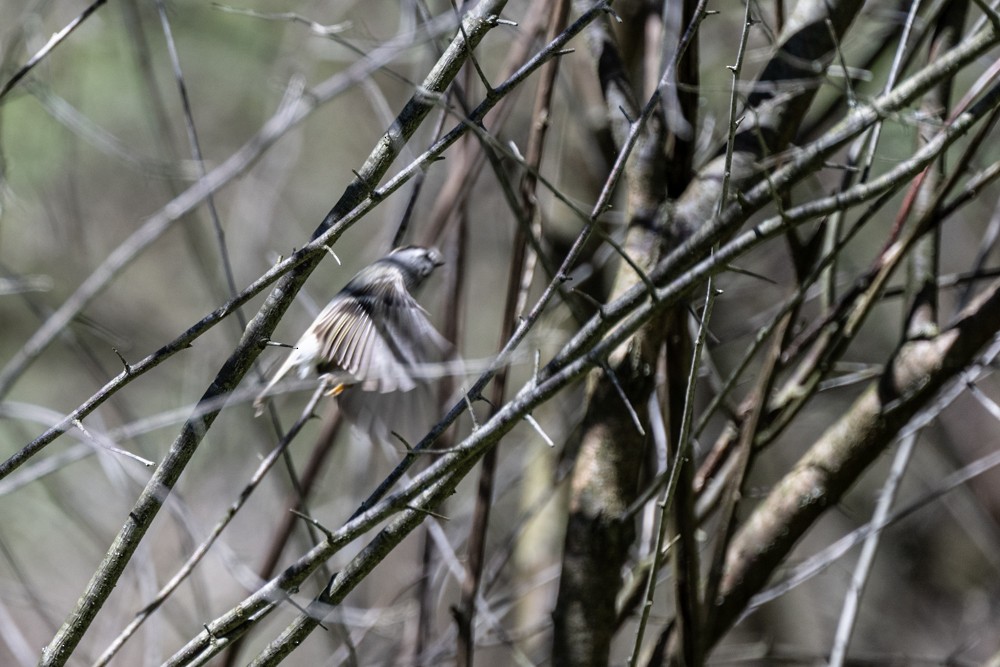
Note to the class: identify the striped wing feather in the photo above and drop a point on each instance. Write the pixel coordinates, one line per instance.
(377, 337)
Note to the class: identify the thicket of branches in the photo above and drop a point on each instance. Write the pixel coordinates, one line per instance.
(722, 276)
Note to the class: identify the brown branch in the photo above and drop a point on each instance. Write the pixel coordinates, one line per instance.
(832, 465)
(518, 283)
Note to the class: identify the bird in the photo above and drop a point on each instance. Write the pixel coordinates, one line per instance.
(373, 341)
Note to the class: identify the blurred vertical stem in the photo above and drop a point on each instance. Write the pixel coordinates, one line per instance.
(518, 282)
(612, 444)
(922, 266)
(922, 317)
(678, 503)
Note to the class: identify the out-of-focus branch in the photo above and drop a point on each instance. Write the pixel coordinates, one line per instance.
(775, 108)
(206, 544)
(53, 42)
(519, 281)
(476, 24)
(695, 247)
(923, 264)
(552, 380)
(821, 477)
(293, 110)
(614, 427)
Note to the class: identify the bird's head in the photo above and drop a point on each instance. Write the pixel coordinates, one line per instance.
(416, 262)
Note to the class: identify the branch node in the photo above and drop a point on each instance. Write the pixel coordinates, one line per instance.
(472, 413)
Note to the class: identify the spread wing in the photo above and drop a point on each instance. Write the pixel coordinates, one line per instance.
(378, 336)
(373, 334)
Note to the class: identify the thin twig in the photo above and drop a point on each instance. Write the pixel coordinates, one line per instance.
(255, 479)
(54, 41)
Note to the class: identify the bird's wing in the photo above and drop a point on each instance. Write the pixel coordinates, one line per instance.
(374, 334)
(378, 335)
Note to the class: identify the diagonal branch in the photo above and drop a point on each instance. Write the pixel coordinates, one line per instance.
(477, 23)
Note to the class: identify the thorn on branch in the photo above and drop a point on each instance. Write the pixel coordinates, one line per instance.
(625, 113)
(406, 444)
(592, 301)
(538, 429)
(747, 272)
(621, 394)
(313, 522)
(841, 166)
(424, 510)
(501, 21)
(490, 90)
(273, 343)
(478, 396)
(611, 12)
(472, 413)
(128, 369)
(515, 151)
(333, 254)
